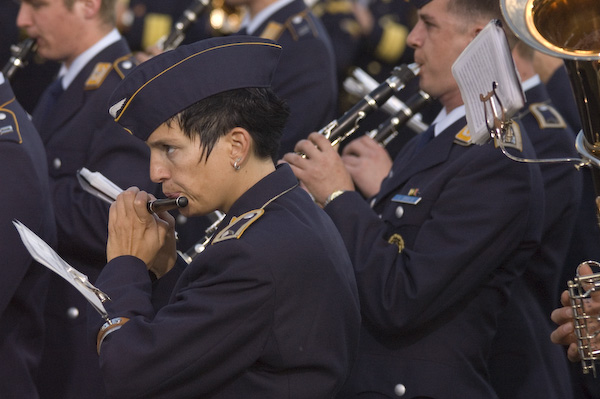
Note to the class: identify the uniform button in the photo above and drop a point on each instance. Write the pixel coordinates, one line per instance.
(57, 163)
(72, 313)
(127, 65)
(2, 116)
(400, 390)
(297, 19)
(181, 219)
(399, 211)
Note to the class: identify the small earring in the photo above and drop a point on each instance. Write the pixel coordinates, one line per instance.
(235, 164)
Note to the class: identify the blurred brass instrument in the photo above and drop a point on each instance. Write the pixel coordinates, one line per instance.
(225, 19)
(19, 58)
(570, 30)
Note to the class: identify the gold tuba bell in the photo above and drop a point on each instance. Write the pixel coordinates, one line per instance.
(567, 29)
(570, 29)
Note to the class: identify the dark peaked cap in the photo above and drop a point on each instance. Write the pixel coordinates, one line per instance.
(167, 84)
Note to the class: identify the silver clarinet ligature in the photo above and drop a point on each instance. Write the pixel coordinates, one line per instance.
(570, 29)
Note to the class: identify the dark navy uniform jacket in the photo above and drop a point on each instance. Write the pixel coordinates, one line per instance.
(524, 362)
(305, 77)
(434, 258)
(268, 310)
(24, 196)
(81, 133)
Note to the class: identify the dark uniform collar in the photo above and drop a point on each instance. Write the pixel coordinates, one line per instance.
(269, 187)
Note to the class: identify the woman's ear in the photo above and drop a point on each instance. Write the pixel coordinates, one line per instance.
(240, 142)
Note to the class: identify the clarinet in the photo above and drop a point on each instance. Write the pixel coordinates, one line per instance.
(188, 256)
(339, 129)
(190, 15)
(389, 129)
(360, 83)
(20, 54)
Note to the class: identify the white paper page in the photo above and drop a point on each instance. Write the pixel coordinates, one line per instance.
(44, 254)
(487, 59)
(96, 184)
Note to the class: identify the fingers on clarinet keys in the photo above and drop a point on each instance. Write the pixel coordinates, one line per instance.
(166, 204)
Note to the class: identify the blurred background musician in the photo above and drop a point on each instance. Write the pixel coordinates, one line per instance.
(143, 23)
(77, 132)
(305, 77)
(437, 248)
(371, 36)
(25, 196)
(29, 82)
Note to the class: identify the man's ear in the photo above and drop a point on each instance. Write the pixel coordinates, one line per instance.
(90, 8)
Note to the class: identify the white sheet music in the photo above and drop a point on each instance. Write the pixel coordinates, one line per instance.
(44, 254)
(487, 59)
(97, 184)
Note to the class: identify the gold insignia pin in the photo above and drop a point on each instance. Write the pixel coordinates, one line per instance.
(397, 240)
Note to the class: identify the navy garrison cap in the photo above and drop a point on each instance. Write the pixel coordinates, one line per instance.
(418, 3)
(167, 84)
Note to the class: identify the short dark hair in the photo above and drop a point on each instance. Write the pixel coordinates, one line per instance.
(476, 8)
(258, 110)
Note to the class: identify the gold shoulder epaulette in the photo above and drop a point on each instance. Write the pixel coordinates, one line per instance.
(512, 139)
(392, 44)
(300, 25)
(238, 225)
(547, 116)
(124, 65)
(100, 72)
(273, 31)
(345, 7)
(9, 126)
(463, 137)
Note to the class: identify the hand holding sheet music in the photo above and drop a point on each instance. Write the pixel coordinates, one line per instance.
(487, 64)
